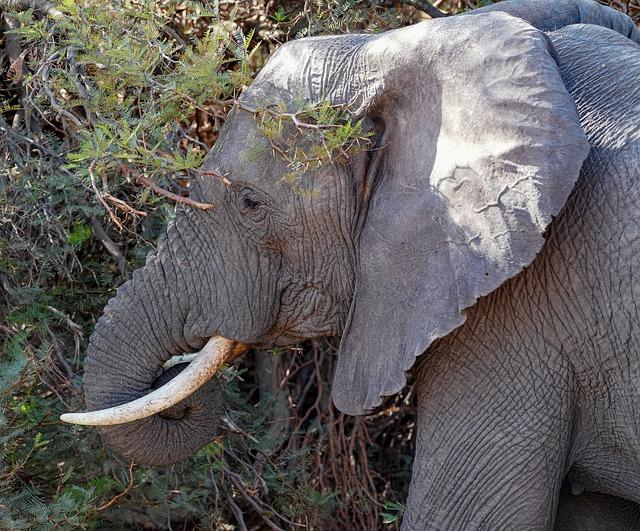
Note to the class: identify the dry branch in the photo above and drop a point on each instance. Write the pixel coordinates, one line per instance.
(291, 116)
(94, 185)
(213, 173)
(425, 6)
(127, 488)
(174, 197)
(55, 104)
(422, 5)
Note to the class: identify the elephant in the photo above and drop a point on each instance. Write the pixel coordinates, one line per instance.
(490, 231)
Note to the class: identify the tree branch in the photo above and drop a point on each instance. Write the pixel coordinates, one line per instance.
(213, 173)
(52, 98)
(422, 5)
(174, 197)
(38, 5)
(127, 488)
(291, 116)
(236, 481)
(113, 217)
(237, 512)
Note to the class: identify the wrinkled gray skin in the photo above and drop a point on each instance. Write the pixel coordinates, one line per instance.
(481, 146)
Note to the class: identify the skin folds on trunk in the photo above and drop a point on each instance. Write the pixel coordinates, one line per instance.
(141, 329)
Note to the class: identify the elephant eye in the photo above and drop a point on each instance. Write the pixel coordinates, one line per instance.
(249, 203)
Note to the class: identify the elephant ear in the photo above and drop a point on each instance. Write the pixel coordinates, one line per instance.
(483, 148)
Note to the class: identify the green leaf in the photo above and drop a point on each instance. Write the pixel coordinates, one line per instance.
(80, 233)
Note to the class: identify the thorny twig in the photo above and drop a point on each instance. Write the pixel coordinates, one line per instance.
(291, 116)
(214, 173)
(174, 197)
(125, 207)
(291, 154)
(94, 185)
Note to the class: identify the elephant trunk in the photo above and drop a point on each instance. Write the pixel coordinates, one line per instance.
(142, 328)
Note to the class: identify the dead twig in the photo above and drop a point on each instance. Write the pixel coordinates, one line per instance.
(422, 5)
(46, 84)
(121, 494)
(427, 7)
(174, 197)
(238, 484)
(94, 185)
(126, 208)
(75, 327)
(237, 513)
(213, 173)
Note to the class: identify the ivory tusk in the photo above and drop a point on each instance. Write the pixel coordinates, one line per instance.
(205, 364)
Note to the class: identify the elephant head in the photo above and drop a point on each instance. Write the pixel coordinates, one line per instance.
(476, 145)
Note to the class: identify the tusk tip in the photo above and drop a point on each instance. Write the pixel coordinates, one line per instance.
(68, 417)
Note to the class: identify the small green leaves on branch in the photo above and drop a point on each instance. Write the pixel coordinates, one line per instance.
(321, 132)
(131, 94)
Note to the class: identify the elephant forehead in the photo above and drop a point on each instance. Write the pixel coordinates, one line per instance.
(244, 154)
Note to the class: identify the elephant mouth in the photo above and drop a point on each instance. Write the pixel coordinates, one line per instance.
(202, 367)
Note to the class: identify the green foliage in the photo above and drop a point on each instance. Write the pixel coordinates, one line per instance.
(79, 234)
(280, 15)
(317, 133)
(393, 511)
